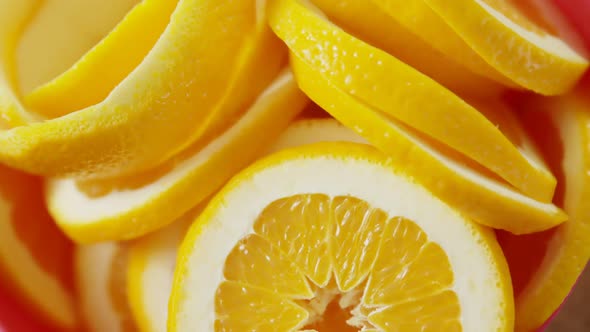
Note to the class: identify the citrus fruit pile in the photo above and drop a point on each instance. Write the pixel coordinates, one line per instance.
(292, 165)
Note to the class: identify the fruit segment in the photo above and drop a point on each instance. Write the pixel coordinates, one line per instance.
(393, 264)
(379, 80)
(152, 258)
(446, 174)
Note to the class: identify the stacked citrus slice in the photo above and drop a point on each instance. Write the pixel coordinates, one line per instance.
(421, 199)
(100, 280)
(111, 210)
(161, 100)
(545, 266)
(35, 257)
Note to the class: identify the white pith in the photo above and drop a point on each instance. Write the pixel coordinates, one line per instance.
(93, 272)
(476, 281)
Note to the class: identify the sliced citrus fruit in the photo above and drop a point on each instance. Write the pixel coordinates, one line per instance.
(370, 23)
(513, 43)
(387, 84)
(62, 83)
(152, 258)
(157, 110)
(35, 257)
(130, 207)
(100, 279)
(545, 266)
(450, 176)
(335, 237)
(150, 271)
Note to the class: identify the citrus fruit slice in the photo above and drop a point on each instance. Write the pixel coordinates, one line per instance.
(152, 258)
(453, 178)
(150, 273)
(35, 257)
(155, 112)
(335, 237)
(545, 266)
(130, 207)
(100, 278)
(370, 23)
(387, 84)
(56, 85)
(513, 43)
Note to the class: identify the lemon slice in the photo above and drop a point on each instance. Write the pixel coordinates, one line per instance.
(336, 237)
(100, 278)
(448, 175)
(152, 258)
(385, 83)
(155, 112)
(513, 44)
(35, 257)
(406, 35)
(113, 58)
(135, 206)
(546, 265)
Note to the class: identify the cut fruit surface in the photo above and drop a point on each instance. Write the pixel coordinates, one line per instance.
(152, 114)
(100, 280)
(448, 175)
(308, 235)
(35, 257)
(152, 258)
(513, 44)
(381, 81)
(545, 266)
(130, 207)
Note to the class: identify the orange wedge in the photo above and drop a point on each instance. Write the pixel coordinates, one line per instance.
(335, 237)
(379, 80)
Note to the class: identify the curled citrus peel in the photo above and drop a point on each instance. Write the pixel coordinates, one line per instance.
(381, 81)
(149, 116)
(130, 207)
(112, 59)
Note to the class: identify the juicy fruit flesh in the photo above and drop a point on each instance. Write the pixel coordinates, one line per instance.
(335, 264)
